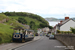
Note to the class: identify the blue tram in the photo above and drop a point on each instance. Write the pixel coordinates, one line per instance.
(22, 34)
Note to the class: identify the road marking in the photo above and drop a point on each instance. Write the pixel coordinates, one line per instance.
(12, 49)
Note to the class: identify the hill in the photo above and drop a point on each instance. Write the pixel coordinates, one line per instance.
(10, 20)
(55, 19)
(51, 19)
(6, 24)
(28, 18)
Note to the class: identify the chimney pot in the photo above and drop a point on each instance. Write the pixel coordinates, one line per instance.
(61, 21)
(66, 18)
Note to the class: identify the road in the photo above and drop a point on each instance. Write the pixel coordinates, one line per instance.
(43, 44)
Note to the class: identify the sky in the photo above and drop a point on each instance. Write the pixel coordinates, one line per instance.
(44, 8)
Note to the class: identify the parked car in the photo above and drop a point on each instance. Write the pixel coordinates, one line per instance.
(47, 35)
(36, 34)
(51, 37)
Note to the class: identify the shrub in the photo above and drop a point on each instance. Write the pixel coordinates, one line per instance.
(61, 32)
(70, 31)
(73, 30)
(52, 33)
(64, 32)
(22, 20)
(58, 31)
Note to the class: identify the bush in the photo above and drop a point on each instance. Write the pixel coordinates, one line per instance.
(65, 32)
(73, 30)
(70, 32)
(61, 32)
(58, 31)
(32, 25)
(52, 33)
(22, 20)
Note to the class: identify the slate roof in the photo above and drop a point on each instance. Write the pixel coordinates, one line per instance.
(65, 21)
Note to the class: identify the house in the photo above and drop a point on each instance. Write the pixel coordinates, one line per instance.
(64, 25)
(43, 31)
(39, 31)
(46, 30)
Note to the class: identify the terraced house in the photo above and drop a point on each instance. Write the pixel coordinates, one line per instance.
(64, 25)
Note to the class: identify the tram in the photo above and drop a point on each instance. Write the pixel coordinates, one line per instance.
(22, 35)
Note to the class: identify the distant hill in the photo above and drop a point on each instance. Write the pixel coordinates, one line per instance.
(73, 18)
(55, 19)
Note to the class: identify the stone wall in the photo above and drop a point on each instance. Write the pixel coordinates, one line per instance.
(67, 39)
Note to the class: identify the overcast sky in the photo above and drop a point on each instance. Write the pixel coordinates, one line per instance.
(44, 8)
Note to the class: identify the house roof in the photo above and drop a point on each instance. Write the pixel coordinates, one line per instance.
(65, 21)
(62, 23)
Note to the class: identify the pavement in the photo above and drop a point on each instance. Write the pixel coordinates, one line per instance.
(10, 46)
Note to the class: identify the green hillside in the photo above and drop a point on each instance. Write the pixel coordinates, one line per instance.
(2, 16)
(9, 20)
(5, 33)
(5, 28)
(28, 17)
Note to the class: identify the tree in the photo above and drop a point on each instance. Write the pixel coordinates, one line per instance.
(50, 27)
(22, 20)
(42, 25)
(73, 30)
(32, 25)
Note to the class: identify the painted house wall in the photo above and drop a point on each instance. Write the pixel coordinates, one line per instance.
(57, 28)
(39, 31)
(66, 26)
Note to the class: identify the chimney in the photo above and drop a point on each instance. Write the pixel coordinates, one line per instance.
(66, 18)
(61, 21)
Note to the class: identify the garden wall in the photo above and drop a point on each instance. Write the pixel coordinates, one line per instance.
(67, 39)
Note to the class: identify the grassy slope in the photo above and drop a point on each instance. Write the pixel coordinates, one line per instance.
(30, 19)
(14, 23)
(5, 29)
(27, 19)
(2, 16)
(5, 33)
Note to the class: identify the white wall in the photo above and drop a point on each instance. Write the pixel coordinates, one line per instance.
(66, 26)
(39, 31)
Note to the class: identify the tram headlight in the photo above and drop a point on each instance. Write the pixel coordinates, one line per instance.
(16, 36)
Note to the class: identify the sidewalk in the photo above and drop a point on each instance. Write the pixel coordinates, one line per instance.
(10, 46)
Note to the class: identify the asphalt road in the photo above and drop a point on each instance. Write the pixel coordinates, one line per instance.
(43, 44)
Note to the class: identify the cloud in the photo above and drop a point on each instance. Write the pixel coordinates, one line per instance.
(47, 7)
